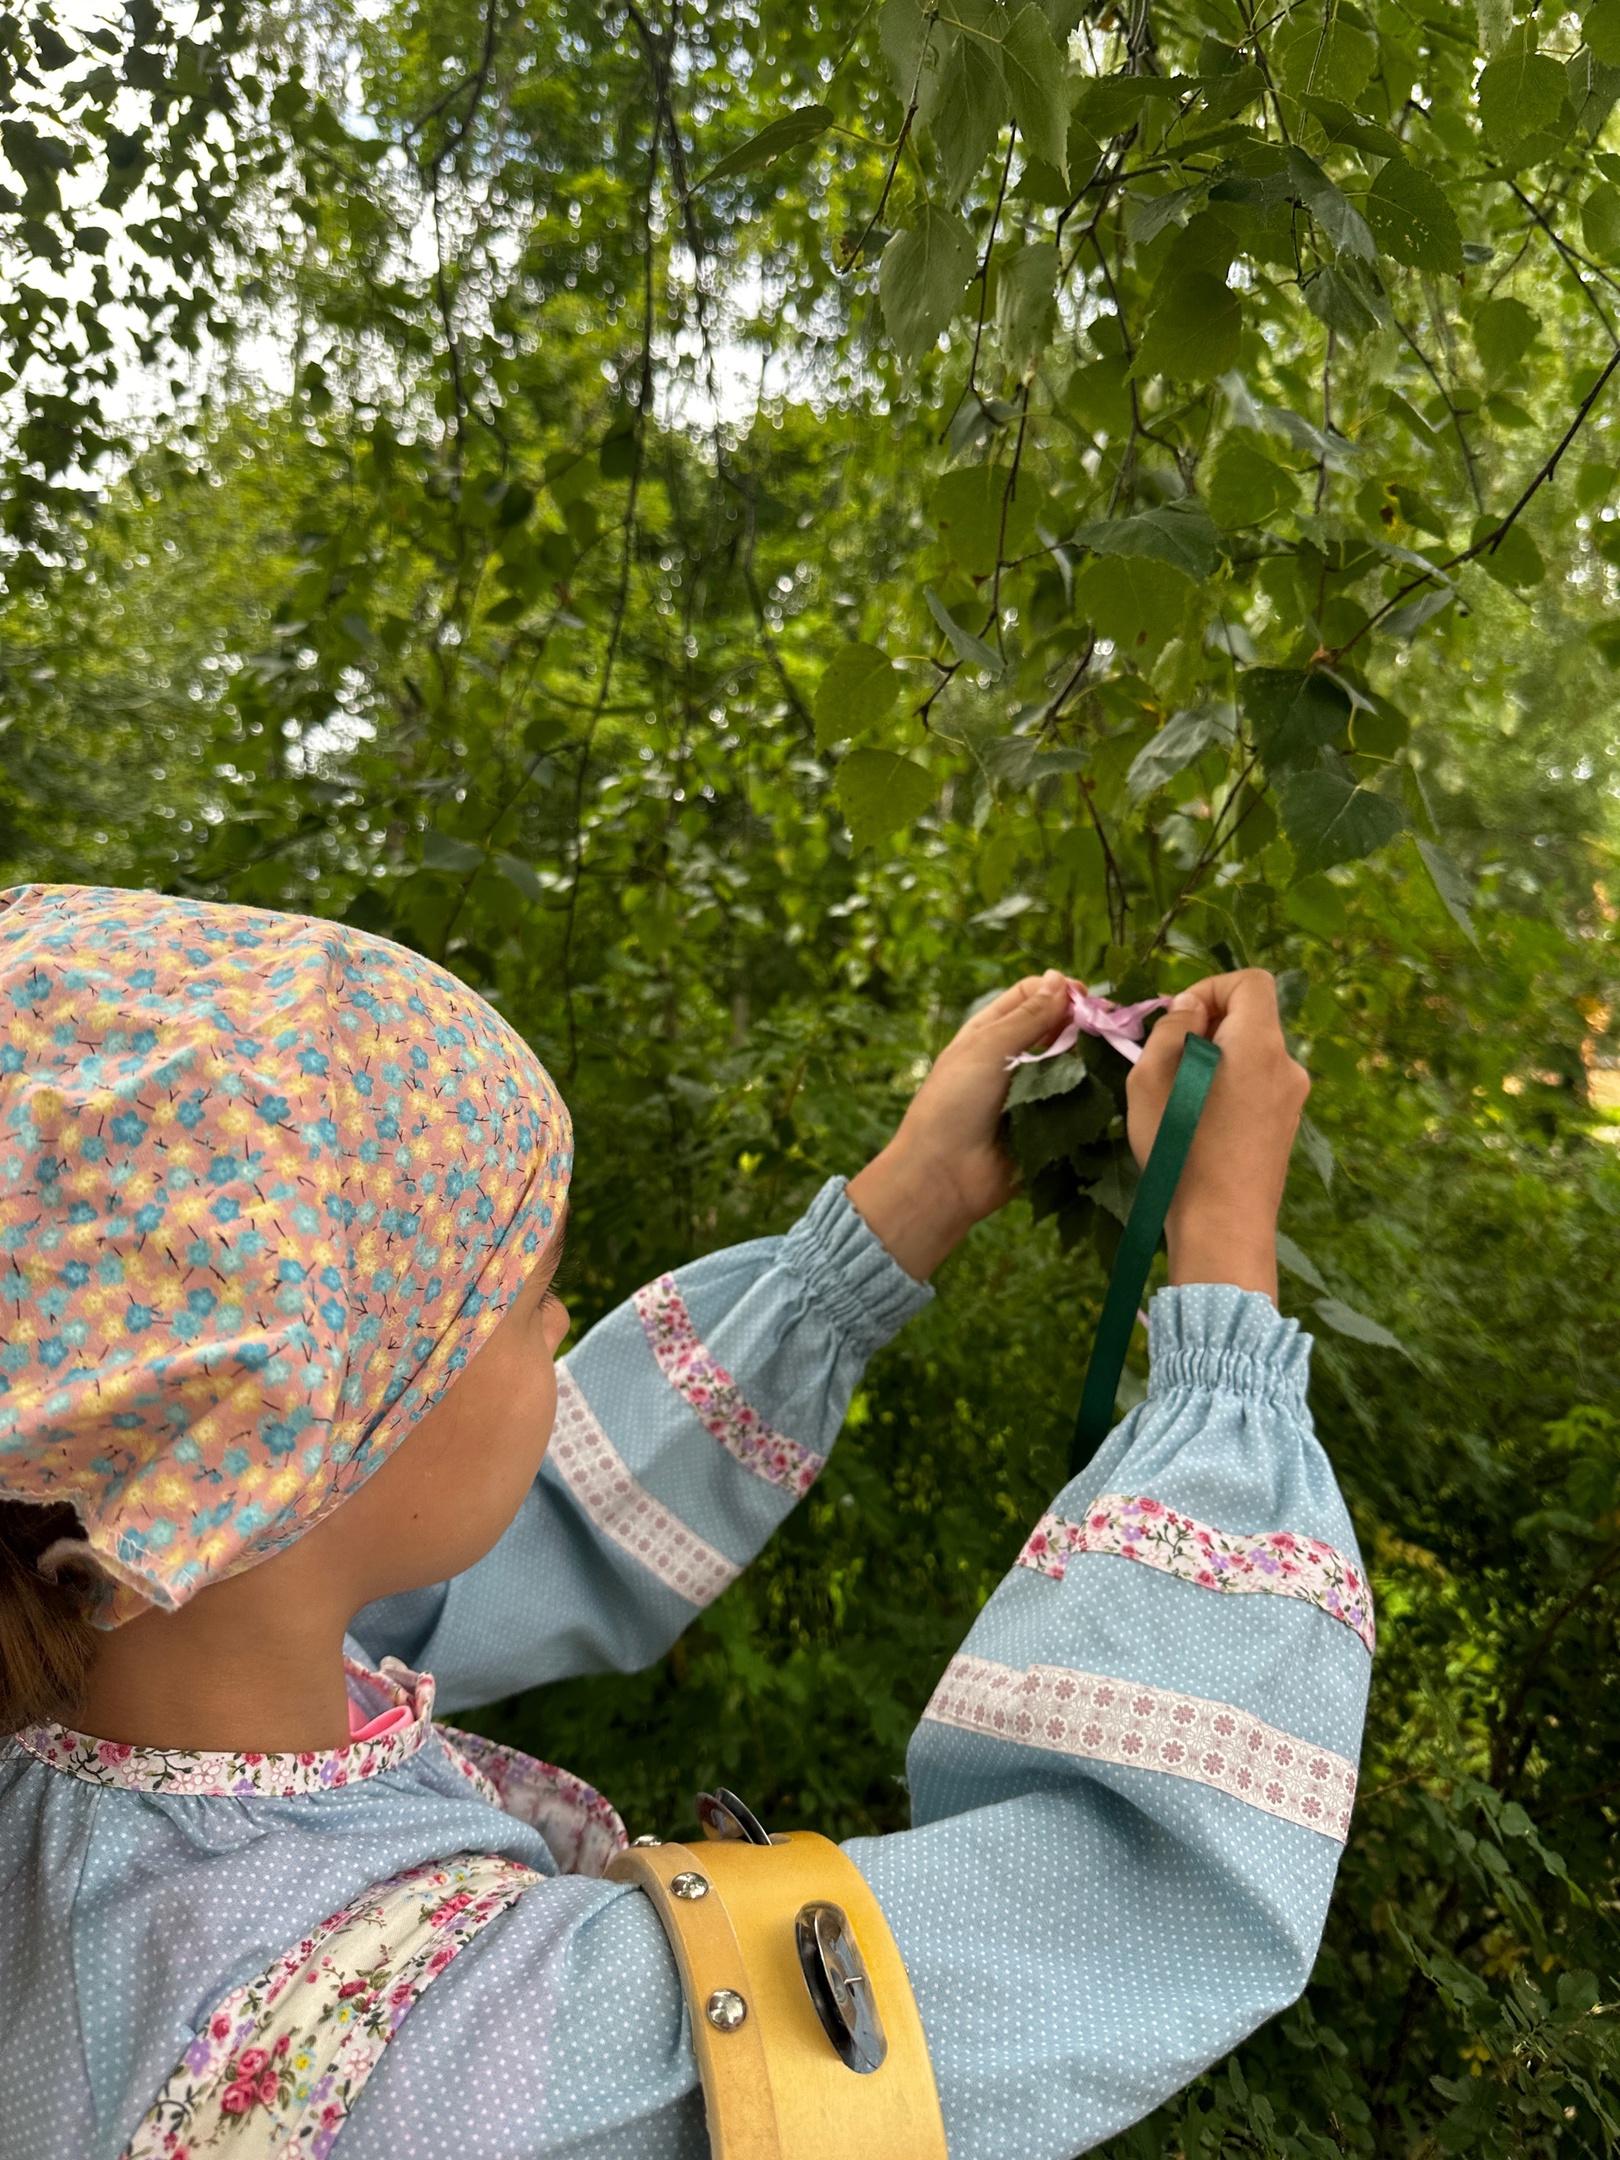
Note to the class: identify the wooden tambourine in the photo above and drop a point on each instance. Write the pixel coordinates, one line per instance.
(803, 2021)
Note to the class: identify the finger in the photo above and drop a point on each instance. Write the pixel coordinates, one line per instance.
(1030, 1012)
(1244, 1000)
(1156, 1067)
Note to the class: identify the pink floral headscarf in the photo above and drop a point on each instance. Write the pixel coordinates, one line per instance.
(266, 1184)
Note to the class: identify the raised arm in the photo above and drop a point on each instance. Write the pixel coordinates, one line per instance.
(691, 1419)
(689, 1423)
(1133, 1784)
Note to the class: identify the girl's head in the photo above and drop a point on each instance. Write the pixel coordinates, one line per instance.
(266, 1186)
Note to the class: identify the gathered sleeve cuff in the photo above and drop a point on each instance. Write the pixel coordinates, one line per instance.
(689, 1422)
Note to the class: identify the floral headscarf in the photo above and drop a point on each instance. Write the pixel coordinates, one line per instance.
(266, 1184)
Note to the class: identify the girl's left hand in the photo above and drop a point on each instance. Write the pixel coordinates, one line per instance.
(943, 1170)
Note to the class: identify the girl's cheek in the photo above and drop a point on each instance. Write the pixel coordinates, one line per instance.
(554, 1324)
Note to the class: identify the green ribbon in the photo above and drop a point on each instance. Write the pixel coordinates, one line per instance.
(1154, 1193)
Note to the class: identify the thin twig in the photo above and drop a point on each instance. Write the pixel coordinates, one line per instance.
(1489, 542)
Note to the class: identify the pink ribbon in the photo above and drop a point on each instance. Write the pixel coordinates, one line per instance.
(1121, 1025)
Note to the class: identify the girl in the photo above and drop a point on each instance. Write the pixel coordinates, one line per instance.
(281, 1205)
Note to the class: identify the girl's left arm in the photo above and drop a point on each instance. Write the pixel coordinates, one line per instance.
(689, 1422)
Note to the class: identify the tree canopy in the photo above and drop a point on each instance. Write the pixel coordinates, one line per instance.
(740, 528)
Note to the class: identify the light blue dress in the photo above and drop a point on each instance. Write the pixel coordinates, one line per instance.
(1129, 1793)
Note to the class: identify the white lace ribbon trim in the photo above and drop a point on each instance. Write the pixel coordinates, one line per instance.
(1100, 1719)
(704, 1385)
(599, 1479)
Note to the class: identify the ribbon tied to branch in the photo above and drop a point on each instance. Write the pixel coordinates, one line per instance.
(1121, 1025)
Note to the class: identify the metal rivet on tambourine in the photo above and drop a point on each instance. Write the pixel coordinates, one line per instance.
(835, 1973)
(689, 1885)
(646, 1841)
(725, 2009)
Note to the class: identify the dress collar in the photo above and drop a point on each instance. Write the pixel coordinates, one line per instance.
(208, 1775)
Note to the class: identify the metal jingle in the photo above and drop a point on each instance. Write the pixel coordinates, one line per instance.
(840, 1987)
(647, 1840)
(727, 1820)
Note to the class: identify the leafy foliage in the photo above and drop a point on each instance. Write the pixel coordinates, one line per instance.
(776, 520)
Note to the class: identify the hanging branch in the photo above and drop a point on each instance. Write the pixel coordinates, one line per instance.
(1489, 542)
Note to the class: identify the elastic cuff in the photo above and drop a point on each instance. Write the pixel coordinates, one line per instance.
(862, 1288)
(1212, 1335)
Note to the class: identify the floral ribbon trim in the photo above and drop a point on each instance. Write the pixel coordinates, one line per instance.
(1278, 1561)
(583, 1831)
(1099, 1719)
(213, 1775)
(599, 1479)
(279, 2064)
(699, 1378)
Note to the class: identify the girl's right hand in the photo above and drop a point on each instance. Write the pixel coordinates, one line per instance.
(1222, 1226)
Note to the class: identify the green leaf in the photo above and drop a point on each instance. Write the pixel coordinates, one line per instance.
(860, 688)
(440, 852)
(1194, 332)
(1515, 560)
(977, 518)
(789, 132)
(1048, 1078)
(915, 50)
(1299, 1263)
(1116, 1188)
(1138, 602)
(1345, 1320)
(1179, 533)
(1328, 819)
(972, 106)
(1600, 221)
(1246, 488)
(522, 875)
(1520, 92)
(1495, 20)
(1112, 103)
(1318, 1150)
(1184, 737)
(879, 792)
(970, 650)
(1343, 125)
(1412, 220)
(1407, 621)
(1348, 298)
(921, 279)
(1505, 330)
(1333, 60)
(1601, 25)
(1345, 227)
(1026, 289)
(1036, 84)
(1316, 905)
(1292, 713)
(1454, 889)
(53, 50)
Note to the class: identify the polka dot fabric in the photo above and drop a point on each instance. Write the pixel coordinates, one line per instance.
(1083, 1935)
(266, 1183)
